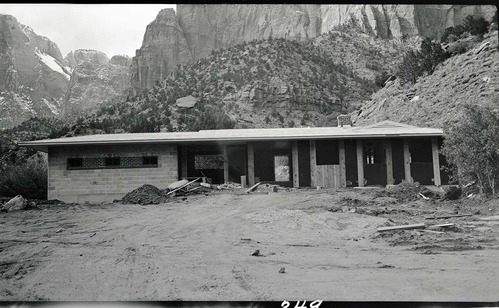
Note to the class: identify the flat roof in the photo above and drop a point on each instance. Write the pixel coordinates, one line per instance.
(377, 130)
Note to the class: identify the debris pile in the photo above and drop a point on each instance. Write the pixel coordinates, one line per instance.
(229, 186)
(145, 194)
(404, 191)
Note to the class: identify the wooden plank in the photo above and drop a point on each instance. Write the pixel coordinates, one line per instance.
(406, 227)
(449, 216)
(183, 162)
(343, 172)
(389, 162)
(313, 164)
(442, 225)
(252, 188)
(251, 165)
(226, 165)
(360, 163)
(431, 231)
(407, 161)
(294, 154)
(337, 183)
(186, 184)
(436, 162)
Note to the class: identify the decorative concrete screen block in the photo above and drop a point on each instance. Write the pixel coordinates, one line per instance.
(112, 162)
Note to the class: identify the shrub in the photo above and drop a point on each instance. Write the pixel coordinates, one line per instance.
(380, 79)
(212, 117)
(472, 25)
(476, 25)
(472, 147)
(416, 63)
(28, 179)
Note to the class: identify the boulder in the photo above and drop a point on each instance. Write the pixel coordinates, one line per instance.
(15, 204)
(453, 193)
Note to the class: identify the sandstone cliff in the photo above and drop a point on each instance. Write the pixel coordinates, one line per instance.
(33, 77)
(94, 80)
(164, 46)
(196, 30)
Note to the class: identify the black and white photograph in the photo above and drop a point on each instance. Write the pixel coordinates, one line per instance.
(297, 154)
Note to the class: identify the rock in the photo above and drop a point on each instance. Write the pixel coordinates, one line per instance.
(282, 270)
(163, 48)
(452, 193)
(256, 253)
(94, 80)
(33, 76)
(196, 30)
(186, 102)
(15, 204)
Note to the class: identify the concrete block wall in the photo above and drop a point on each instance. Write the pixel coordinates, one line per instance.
(99, 185)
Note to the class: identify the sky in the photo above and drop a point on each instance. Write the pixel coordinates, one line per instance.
(111, 28)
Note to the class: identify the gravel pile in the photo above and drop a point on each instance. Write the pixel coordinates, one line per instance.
(145, 194)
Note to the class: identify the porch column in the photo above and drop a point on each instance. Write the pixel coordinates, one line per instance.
(251, 165)
(343, 171)
(226, 165)
(313, 164)
(183, 162)
(436, 162)
(360, 163)
(294, 154)
(389, 162)
(407, 161)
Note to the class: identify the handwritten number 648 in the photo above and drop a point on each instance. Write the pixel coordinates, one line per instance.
(314, 304)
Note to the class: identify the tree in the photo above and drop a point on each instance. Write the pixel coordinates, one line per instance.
(472, 147)
(476, 25)
(416, 63)
(431, 55)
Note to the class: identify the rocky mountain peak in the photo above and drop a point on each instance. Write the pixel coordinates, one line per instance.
(80, 56)
(166, 16)
(121, 60)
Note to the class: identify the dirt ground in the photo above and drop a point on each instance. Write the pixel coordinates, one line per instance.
(200, 248)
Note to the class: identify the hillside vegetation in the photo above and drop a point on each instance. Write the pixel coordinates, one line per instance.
(263, 83)
(435, 100)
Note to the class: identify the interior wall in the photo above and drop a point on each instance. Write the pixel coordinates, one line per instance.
(421, 160)
(351, 162)
(237, 162)
(304, 163)
(398, 160)
(374, 173)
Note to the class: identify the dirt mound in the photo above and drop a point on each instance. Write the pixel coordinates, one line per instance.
(404, 191)
(145, 194)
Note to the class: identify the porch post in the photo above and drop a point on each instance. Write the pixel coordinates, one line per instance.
(360, 163)
(407, 161)
(313, 164)
(251, 165)
(389, 162)
(436, 163)
(226, 165)
(343, 173)
(294, 154)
